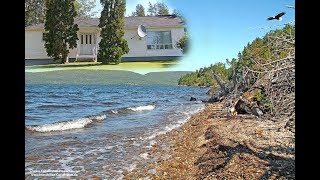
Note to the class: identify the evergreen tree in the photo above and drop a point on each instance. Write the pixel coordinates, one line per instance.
(34, 12)
(61, 30)
(112, 45)
(158, 9)
(84, 7)
(139, 11)
(259, 51)
(180, 15)
(183, 43)
(152, 10)
(162, 9)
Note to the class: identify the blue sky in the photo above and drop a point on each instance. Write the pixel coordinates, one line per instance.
(219, 29)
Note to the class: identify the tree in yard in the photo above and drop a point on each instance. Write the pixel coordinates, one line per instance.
(112, 45)
(34, 11)
(158, 9)
(84, 7)
(183, 43)
(180, 15)
(61, 31)
(162, 9)
(152, 10)
(139, 11)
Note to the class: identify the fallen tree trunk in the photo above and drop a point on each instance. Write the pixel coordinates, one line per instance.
(220, 82)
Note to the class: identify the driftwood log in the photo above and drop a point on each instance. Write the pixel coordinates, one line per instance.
(274, 81)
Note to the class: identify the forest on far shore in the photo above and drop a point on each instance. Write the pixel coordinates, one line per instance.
(260, 49)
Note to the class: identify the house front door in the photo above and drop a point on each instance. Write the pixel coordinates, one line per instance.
(87, 43)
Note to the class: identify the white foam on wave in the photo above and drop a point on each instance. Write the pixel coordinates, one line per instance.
(61, 126)
(142, 108)
(114, 111)
(99, 117)
(66, 125)
(176, 125)
(166, 129)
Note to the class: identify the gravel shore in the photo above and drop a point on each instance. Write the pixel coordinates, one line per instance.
(213, 145)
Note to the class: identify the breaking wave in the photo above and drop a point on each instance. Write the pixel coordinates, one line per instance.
(132, 109)
(65, 125)
(142, 108)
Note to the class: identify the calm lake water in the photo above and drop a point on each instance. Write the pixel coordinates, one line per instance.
(77, 131)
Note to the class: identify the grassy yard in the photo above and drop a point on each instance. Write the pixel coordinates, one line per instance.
(139, 67)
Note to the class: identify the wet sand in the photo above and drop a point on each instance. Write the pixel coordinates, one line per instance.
(213, 145)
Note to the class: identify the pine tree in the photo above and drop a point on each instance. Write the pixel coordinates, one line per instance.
(139, 11)
(152, 9)
(84, 8)
(61, 31)
(162, 9)
(180, 15)
(158, 9)
(112, 45)
(34, 11)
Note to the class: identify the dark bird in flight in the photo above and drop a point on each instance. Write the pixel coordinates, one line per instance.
(277, 17)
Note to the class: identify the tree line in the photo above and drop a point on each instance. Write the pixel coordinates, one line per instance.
(35, 10)
(157, 9)
(259, 51)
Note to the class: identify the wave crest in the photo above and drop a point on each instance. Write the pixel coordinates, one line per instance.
(142, 108)
(65, 125)
(98, 117)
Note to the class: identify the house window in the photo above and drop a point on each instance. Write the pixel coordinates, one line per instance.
(87, 39)
(159, 40)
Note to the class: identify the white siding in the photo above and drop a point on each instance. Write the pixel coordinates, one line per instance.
(138, 48)
(34, 46)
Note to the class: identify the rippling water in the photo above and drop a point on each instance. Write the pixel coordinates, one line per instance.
(99, 129)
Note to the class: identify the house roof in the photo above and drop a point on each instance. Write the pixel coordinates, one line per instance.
(130, 22)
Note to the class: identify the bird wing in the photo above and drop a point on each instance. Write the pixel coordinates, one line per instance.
(270, 18)
(280, 14)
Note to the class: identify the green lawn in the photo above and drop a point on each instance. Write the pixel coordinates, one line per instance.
(140, 67)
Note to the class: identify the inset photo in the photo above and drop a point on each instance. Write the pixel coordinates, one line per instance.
(151, 38)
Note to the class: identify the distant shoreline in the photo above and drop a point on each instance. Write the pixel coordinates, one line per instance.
(82, 76)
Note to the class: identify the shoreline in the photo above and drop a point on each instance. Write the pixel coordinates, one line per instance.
(212, 145)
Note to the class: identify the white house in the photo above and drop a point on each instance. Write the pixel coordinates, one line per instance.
(162, 34)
